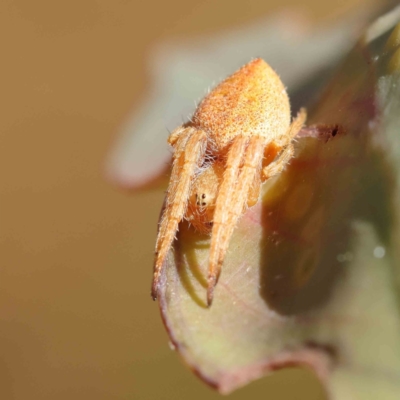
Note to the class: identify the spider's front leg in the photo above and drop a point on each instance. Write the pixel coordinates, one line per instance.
(176, 134)
(243, 164)
(190, 145)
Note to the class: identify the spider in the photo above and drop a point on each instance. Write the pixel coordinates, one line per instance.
(240, 135)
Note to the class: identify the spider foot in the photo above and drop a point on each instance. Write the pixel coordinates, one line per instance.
(212, 282)
(154, 289)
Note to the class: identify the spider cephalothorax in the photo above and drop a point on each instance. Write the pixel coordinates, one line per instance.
(203, 196)
(240, 135)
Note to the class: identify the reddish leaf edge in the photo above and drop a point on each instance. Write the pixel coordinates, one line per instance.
(318, 357)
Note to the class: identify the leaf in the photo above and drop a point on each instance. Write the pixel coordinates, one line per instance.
(312, 275)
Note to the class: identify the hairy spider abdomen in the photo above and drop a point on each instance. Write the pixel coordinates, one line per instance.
(252, 101)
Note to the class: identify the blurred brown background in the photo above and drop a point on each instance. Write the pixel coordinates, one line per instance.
(76, 316)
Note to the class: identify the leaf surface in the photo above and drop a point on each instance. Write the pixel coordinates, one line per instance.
(312, 273)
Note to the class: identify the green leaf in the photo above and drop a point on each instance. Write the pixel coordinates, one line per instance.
(312, 274)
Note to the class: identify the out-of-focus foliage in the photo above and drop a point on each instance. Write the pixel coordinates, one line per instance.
(312, 273)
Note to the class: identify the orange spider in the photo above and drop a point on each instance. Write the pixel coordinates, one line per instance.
(240, 135)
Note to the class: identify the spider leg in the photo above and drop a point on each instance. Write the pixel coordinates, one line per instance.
(287, 153)
(175, 134)
(297, 123)
(279, 164)
(232, 200)
(188, 155)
